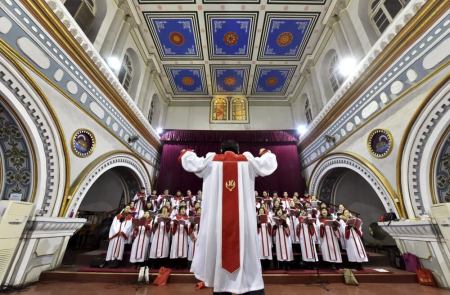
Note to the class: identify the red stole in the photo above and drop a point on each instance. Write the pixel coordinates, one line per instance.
(230, 210)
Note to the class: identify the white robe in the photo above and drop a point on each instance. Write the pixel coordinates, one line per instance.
(192, 243)
(160, 242)
(283, 244)
(329, 244)
(354, 245)
(141, 243)
(179, 247)
(206, 264)
(265, 242)
(307, 243)
(139, 203)
(116, 240)
(293, 222)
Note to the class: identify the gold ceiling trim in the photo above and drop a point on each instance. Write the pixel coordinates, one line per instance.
(52, 24)
(422, 21)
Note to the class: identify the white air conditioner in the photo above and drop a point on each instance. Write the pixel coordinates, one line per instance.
(13, 218)
(441, 213)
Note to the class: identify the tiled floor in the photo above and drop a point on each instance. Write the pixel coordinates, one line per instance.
(74, 288)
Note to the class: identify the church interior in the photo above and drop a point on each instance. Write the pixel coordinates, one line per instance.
(100, 100)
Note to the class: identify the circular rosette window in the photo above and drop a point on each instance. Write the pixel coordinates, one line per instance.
(380, 143)
(83, 143)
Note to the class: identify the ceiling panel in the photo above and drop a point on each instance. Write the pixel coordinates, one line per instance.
(272, 80)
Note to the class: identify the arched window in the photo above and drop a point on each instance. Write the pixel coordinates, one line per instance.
(126, 72)
(83, 11)
(239, 108)
(383, 12)
(219, 109)
(308, 112)
(334, 76)
(150, 112)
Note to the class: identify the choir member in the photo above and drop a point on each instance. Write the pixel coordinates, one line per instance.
(160, 242)
(121, 229)
(329, 235)
(284, 202)
(140, 199)
(180, 227)
(264, 237)
(175, 200)
(351, 228)
(141, 234)
(190, 199)
(193, 232)
(267, 200)
(293, 221)
(306, 232)
(198, 197)
(315, 203)
(162, 199)
(154, 198)
(276, 205)
(283, 244)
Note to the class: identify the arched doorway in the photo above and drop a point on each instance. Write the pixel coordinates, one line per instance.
(105, 198)
(347, 187)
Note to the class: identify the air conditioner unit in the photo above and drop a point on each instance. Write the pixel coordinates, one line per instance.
(441, 213)
(13, 218)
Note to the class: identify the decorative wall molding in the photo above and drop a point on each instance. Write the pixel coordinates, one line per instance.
(422, 59)
(417, 154)
(365, 170)
(39, 49)
(46, 142)
(441, 176)
(94, 171)
(412, 229)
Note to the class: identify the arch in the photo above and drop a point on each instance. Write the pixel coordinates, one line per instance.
(239, 109)
(307, 108)
(329, 69)
(367, 26)
(91, 173)
(129, 72)
(45, 134)
(359, 165)
(89, 15)
(219, 109)
(419, 148)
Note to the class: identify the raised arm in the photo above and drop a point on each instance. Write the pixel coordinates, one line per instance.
(264, 165)
(192, 163)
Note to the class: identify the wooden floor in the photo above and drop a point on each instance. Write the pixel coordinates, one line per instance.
(77, 288)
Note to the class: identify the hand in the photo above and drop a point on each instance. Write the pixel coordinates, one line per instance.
(261, 151)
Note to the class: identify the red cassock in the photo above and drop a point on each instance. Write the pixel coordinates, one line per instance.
(228, 208)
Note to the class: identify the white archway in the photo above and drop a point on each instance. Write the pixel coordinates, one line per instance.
(419, 150)
(98, 168)
(380, 185)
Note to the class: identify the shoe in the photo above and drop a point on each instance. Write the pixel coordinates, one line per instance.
(146, 275)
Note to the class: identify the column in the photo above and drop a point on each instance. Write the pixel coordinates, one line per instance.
(335, 25)
(351, 35)
(143, 91)
(113, 31)
(127, 25)
(148, 97)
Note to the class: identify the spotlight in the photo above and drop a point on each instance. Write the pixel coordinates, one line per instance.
(133, 138)
(347, 66)
(301, 129)
(159, 130)
(114, 63)
(330, 139)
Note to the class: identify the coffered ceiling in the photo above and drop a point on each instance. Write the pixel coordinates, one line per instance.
(253, 48)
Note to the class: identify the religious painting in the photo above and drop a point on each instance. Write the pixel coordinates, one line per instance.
(219, 109)
(380, 143)
(83, 143)
(239, 109)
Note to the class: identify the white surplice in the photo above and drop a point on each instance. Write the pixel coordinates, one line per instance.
(207, 262)
(179, 246)
(283, 243)
(307, 242)
(160, 241)
(354, 245)
(192, 242)
(118, 236)
(265, 241)
(329, 243)
(141, 243)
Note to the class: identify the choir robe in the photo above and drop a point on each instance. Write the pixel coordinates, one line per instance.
(141, 243)
(293, 222)
(192, 241)
(329, 242)
(207, 263)
(265, 240)
(160, 242)
(140, 200)
(179, 247)
(284, 202)
(119, 233)
(353, 243)
(283, 244)
(307, 236)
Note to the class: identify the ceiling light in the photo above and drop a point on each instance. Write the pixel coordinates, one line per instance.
(301, 129)
(114, 63)
(347, 66)
(159, 130)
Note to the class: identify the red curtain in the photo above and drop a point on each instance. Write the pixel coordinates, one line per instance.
(283, 143)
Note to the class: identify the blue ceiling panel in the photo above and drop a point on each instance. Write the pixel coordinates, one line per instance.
(272, 80)
(230, 35)
(285, 35)
(187, 80)
(176, 36)
(229, 79)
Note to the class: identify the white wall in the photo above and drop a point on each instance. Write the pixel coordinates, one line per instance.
(261, 118)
